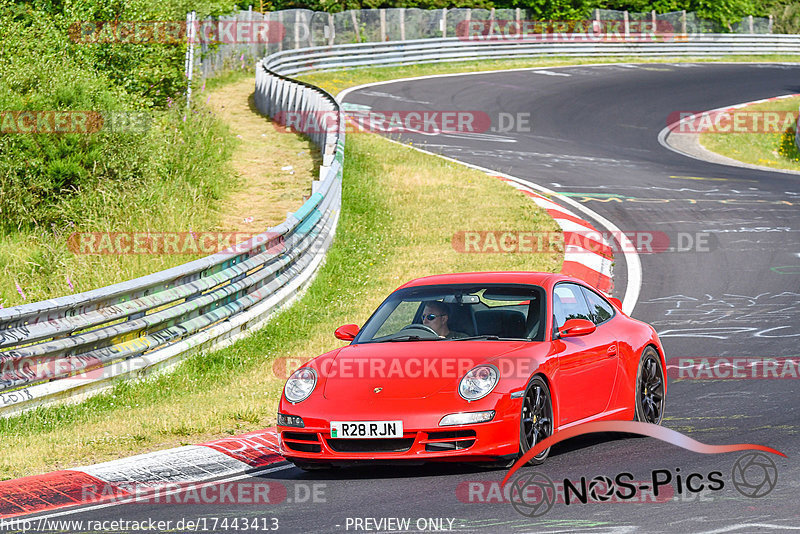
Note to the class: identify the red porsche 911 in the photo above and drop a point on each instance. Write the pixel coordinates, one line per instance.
(472, 367)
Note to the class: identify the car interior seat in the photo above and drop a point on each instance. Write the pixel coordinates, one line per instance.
(534, 322)
(461, 319)
(501, 323)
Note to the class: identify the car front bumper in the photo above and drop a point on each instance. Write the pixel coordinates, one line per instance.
(423, 439)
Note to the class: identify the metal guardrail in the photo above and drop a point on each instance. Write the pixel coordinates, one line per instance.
(292, 62)
(79, 344)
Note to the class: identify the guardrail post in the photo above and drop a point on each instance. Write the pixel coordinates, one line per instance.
(443, 22)
(316, 183)
(683, 22)
(383, 24)
(328, 155)
(653, 16)
(297, 29)
(253, 45)
(191, 20)
(626, 23)
(355, 25)
(272, 90)
(280, 21)
(518, 19)
(402, 24)
(491, 21)
(307, 28)
(797, 130)
(750, 23)
(331, 30)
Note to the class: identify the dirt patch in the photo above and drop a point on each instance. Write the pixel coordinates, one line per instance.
(276, 167)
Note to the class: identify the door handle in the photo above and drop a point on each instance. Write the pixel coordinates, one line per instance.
(612, 351)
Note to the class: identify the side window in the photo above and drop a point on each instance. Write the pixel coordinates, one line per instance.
(600, 309)
(568, 303)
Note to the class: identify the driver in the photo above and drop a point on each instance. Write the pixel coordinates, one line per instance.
(435, 316)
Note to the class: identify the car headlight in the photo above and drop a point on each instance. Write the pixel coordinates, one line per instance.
(300, 384)
(466, 418)
(478, 382)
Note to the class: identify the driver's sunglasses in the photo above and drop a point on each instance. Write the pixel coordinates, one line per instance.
(431, 316)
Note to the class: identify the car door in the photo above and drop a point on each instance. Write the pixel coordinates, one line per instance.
(602, 312)
(586, 366)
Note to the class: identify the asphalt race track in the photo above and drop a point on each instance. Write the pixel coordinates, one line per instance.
(594, 137)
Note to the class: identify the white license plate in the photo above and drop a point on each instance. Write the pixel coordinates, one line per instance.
(366, 429)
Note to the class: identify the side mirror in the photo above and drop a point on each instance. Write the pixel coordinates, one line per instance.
(577, 327)
(616, 302)
(347, 332)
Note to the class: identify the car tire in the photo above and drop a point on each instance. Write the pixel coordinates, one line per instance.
(536, 418)
(650, 382)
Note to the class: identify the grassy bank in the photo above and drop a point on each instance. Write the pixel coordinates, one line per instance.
(777, 150)
(146, 165)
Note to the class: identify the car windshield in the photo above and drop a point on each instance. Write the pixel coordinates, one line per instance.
(489, 312)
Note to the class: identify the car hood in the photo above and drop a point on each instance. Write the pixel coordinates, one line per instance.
(406, 370)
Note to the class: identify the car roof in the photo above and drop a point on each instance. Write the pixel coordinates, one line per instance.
(497, 277)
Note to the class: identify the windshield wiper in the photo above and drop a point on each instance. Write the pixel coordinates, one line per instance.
(490, 337)
(405, 338)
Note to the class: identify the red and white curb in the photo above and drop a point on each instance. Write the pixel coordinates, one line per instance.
(587, 255)
(114, 480)
(763, 100)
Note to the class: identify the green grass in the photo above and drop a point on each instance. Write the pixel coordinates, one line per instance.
(170, 176)
(777, 150)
